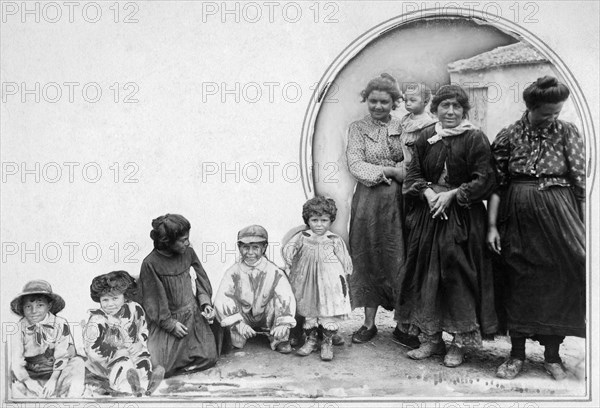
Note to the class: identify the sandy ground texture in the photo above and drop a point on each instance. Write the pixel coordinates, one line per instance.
(379, 368)
(376, 370)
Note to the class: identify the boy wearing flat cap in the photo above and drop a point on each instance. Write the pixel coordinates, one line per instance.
(44, 363)
(255, 294)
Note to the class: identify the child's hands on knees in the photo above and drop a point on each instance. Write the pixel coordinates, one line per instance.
(245, 330)
(49, 388)
(179, 330)
(34, 386)
(280, 332)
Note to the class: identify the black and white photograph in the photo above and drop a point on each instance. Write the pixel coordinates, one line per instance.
(313, 203)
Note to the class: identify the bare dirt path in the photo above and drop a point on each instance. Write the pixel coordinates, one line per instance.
(379, 368)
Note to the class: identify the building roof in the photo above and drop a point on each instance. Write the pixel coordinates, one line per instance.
(514, 54)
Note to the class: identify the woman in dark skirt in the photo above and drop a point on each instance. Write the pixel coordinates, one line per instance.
(447, 281)
(374, 156)
(536, 226)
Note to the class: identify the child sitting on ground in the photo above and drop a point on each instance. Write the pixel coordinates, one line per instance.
(44, 362)
(319, 265)
(255, 295)
(116, 335)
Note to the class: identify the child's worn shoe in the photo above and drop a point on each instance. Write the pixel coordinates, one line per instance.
(155, 379)
(427, 349)
(556, 370)
(337, 340)
(133, 378)
(295, 340)
(454, 357)
(310, 344)
(284, 347)
(327, 346)
(510, 368)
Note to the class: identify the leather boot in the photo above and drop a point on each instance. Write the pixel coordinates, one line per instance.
(310, 344)
(327, 345)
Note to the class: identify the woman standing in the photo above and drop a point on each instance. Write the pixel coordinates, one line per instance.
(374, 156)
(539, 233)
(446, 283)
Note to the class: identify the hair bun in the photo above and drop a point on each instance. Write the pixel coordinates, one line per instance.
(388, 77)
(546, 82)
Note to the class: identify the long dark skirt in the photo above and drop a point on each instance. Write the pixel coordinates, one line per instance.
(199, 348)
(447, 282)
(543, 260)
(376, 244)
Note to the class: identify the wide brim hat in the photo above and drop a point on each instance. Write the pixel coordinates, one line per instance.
(37, 287)
(252, 234)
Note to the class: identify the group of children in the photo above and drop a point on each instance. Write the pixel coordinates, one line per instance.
(255, 296)
(132, 347)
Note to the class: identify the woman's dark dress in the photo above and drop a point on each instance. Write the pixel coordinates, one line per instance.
(541, 177)
(376, 218)
(446, 283)
(168, 298)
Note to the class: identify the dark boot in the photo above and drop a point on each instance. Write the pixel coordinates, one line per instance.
(310, 344)
(327, 345)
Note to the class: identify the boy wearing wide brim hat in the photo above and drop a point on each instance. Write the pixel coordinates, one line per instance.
(255, 295)
(44, 363)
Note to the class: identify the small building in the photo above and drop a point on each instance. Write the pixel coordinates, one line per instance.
(495, 81)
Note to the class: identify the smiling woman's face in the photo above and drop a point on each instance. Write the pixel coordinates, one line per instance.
(450, 113)
(380, 104)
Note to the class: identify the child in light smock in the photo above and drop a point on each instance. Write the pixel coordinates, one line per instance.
(319, 264)
(116, 336)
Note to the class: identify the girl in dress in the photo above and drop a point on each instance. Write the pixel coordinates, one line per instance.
(319, 264)
(180, 335)
(116, 335)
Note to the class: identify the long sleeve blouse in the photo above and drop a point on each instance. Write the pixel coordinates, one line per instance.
(166, 286)
(372, 145)
(555, 154)
(467, 159)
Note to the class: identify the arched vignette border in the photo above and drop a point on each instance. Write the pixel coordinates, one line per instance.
(507, 26)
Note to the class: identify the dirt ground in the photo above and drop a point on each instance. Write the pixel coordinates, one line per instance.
(379, 368)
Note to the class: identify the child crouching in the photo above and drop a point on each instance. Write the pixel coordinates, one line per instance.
(116, 335)
(44, 363)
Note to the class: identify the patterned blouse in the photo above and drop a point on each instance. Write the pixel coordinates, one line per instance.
(109, 338)
(51, 337)
(555, 154)
(372, 145)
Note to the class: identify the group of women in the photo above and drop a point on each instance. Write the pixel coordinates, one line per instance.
(466, 238)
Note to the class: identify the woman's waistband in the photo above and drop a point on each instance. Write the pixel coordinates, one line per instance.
(525, 180)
